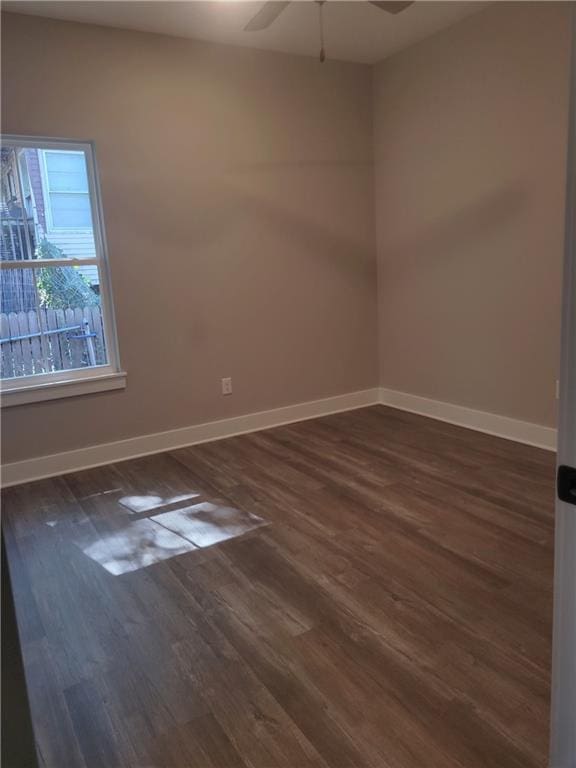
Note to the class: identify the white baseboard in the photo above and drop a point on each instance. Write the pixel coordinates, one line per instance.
(96, 455)
(481, 421)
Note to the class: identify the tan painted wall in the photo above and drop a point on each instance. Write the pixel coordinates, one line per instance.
(470, 132)
(238, 194)
(238, 197)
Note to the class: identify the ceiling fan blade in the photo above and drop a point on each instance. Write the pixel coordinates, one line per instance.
(392, 6)
(266, 15)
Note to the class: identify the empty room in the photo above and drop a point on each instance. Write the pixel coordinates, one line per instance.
(288, 384)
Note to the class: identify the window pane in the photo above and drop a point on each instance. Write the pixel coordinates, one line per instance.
(71, 210)
(66, 171)
(51, 321)
(46, 225)
(18, 236)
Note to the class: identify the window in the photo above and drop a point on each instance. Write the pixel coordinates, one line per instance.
(57, 333)
(66, 182)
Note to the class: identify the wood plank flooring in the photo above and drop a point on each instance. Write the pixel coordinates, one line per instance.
(370, 589)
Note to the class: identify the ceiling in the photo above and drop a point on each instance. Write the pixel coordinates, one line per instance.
(354, 30)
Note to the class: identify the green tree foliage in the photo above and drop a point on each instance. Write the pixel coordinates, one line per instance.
(62, 287)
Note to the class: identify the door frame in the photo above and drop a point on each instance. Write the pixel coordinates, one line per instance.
(563, 703)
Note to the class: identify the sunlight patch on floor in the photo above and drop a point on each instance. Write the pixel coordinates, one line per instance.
(207, 524)
(142, 543)
(150, 501)
(136, 546)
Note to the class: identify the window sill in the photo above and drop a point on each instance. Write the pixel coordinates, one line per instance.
(55, 390)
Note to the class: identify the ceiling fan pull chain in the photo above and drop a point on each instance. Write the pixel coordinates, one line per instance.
(321, 20)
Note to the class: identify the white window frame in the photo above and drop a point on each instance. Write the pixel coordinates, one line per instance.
(46, 191)
(49, 386)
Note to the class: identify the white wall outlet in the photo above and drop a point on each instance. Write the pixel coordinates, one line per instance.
(557, 390)
(227, 386)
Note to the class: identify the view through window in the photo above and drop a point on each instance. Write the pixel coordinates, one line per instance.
(56, 318)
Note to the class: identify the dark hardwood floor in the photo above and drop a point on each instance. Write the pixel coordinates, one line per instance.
(371, 588)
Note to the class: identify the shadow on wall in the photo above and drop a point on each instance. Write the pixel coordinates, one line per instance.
(255, 214)
(447, 237)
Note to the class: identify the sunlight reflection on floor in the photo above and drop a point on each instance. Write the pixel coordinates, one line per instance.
(136, 546)
(150, 501)
(144, 542)
(206, 524)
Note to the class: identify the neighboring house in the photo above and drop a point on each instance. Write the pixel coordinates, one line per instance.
(56, 198)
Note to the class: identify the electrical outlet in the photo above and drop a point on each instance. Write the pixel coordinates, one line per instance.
(227, 386)
(557, 390)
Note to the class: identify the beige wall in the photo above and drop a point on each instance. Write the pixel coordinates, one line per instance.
(238, 191)
(238, 198)
(470, 132)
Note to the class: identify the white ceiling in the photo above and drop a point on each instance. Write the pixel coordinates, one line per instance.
(354, 30)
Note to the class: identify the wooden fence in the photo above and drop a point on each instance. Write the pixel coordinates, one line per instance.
(51, 340)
